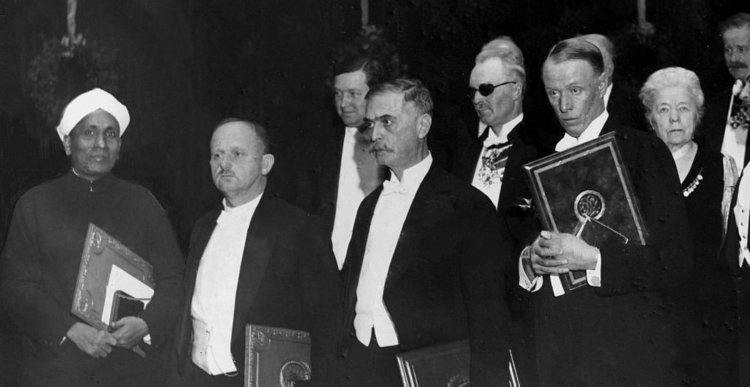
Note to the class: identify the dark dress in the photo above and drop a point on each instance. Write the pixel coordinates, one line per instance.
(711, 287)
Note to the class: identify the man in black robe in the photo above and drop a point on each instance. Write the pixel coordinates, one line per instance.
(42, 255)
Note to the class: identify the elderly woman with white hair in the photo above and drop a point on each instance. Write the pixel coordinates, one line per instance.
(673, 101)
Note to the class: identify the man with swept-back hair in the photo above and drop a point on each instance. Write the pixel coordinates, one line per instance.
(725, 123)
(423, 266)
(340, 171)
(620, 327)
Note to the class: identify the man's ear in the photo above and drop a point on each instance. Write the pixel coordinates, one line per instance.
(517, 90)
(602, 83)
(66, 144)
(267, 164)
(424, 122)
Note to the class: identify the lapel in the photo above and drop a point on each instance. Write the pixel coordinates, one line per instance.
(356, 252)
(609, 126)
(430, 203)
(199, 240)
(731, 242)
(467, 158)
(203, 231)
(261, 235)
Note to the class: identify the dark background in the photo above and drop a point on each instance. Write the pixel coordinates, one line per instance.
(181, 66)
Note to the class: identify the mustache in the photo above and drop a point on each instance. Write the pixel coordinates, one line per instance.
(223, 172)
(381, 148)
(737, 65)
(481, 105)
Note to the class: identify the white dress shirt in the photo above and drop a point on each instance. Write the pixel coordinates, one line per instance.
(212, 307)
(488, 176)
(593, 277)
(735, 139)
(358, 176)
(385, 228)
(741, 209)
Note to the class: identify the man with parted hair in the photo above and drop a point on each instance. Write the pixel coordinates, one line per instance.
(341, 171)
(725, 124)
(621, 106)
(621, 327)
(424, 264)
(256, 260)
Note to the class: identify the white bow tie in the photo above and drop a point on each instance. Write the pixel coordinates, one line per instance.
(391, 187)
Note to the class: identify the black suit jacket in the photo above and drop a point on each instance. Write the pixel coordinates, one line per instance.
(624, 109)
(715, 121)
(288, 278)
(444, 282)
(627, 329)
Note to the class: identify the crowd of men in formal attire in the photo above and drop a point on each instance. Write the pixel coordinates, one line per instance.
(407, 233)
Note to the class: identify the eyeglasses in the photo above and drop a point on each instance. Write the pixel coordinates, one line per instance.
(486, 89)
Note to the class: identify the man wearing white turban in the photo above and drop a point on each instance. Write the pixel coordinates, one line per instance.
(42, 254)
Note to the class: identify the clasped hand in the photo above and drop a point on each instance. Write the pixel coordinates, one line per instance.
(129, 331)
(98, 343)
(558, 253)
(90, 340)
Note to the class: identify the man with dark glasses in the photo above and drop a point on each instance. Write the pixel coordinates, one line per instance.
(497, 127)
(490, 129)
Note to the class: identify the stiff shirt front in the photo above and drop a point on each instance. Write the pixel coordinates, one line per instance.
(488, 173)
(358, 176)
(212, 307)
(385, 229)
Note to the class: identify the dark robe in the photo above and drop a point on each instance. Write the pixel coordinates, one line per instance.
(40, 264)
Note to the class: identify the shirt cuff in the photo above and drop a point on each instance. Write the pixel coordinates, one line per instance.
(147, 339)
(523, 279)
(594, 277)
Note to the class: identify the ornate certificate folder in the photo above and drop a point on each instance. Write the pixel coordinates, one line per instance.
(586, 191)
(276, 356)
(442, 365)
(108, 268)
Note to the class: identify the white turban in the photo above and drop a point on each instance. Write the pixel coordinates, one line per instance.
(89, 102)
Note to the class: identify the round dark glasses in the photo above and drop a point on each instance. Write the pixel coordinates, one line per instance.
(486, 89)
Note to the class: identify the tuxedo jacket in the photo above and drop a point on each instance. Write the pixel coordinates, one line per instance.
(288, 278)
(624, 109)
(715, 121)
(627, 329)
(444, 282)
